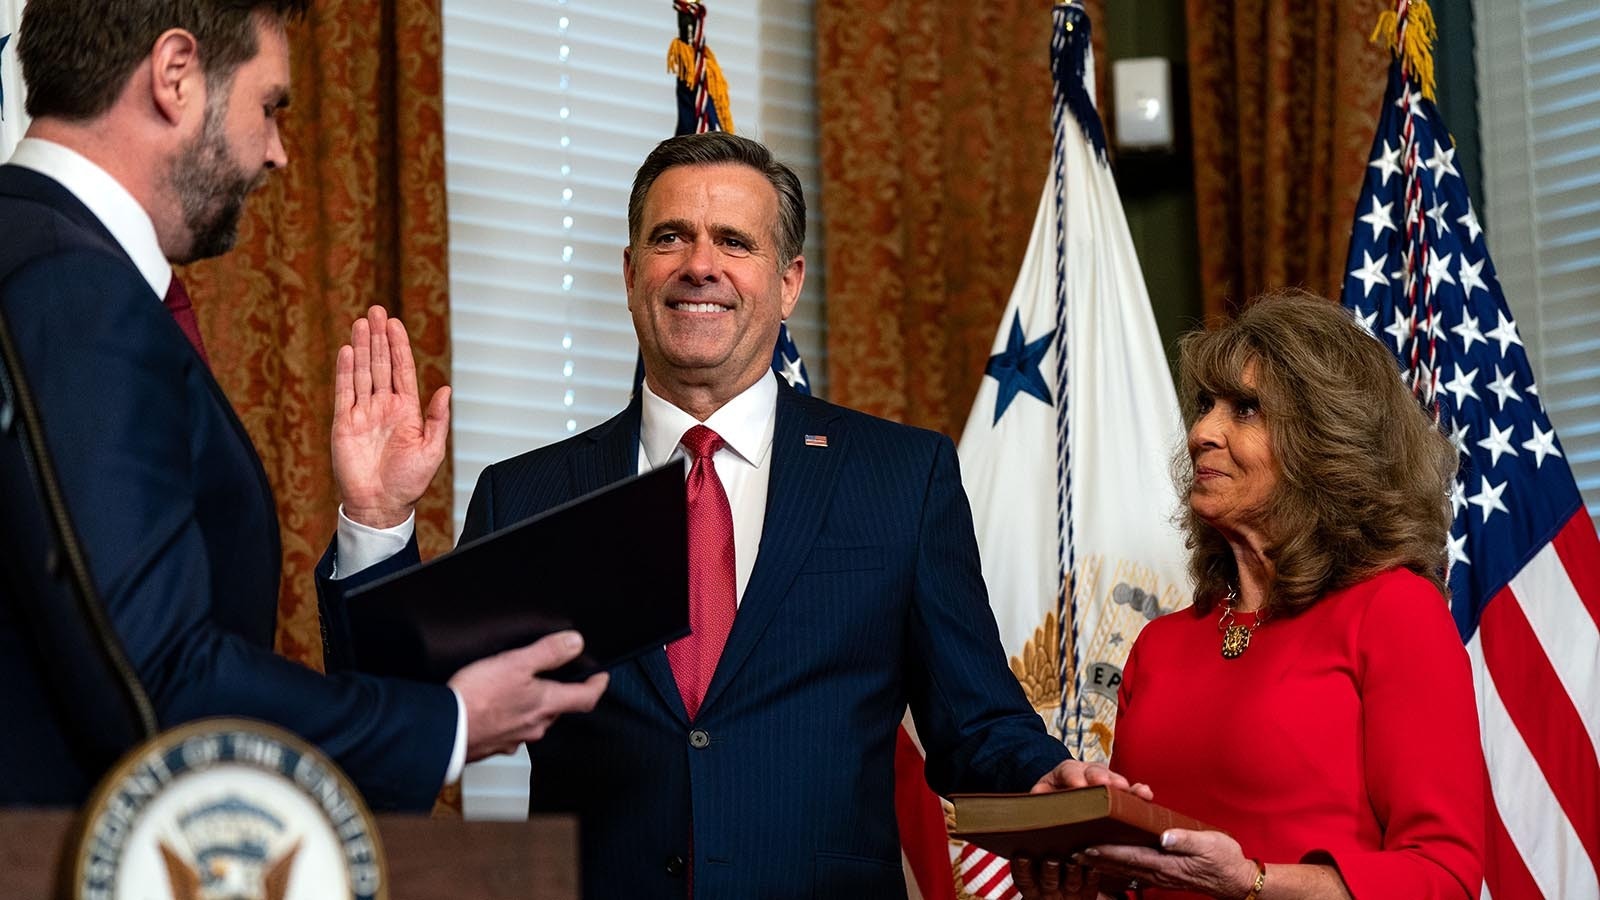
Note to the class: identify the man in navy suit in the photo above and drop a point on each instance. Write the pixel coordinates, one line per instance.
(755, 758)
(145, 142)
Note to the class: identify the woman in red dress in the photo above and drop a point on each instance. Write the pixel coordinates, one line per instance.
(1315, 703)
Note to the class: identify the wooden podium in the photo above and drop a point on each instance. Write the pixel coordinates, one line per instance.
(429, 859)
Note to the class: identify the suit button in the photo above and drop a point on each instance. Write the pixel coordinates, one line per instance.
(675, 866)
(699, 739)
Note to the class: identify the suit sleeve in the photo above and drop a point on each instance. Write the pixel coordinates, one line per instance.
(121, 428)
(337, 644)
(977, 727)
(1424, 768)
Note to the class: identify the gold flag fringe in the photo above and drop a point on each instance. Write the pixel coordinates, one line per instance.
(680, 62)
(1421, 30)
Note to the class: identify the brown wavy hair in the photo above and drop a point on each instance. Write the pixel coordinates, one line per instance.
(1364, 472)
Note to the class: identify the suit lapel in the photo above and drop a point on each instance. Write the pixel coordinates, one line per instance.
(797, 498)
(613, 456)
(249, 452)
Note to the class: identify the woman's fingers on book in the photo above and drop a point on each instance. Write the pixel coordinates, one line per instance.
(1053, 879)
(1190, 860)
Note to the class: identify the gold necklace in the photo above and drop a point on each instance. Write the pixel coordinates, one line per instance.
(1235, 634)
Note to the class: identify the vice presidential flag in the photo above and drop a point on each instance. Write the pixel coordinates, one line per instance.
(1066, 454)
(1524, 560)
(13, 119)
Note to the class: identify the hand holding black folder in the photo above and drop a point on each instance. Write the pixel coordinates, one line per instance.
(612, 564)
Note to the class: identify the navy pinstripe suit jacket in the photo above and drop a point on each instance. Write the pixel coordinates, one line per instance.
(866, 596)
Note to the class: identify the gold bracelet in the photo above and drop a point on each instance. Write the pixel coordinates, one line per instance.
(1261, 880)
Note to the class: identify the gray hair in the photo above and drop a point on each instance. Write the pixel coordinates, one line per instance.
(716, 147)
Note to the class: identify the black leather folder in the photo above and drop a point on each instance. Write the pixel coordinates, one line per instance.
(613, 564)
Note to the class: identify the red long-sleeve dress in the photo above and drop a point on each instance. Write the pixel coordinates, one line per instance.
(1347, 734)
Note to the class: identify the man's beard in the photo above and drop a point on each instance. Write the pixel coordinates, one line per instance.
(211, 188)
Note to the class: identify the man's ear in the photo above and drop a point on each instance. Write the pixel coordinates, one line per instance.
(177, 83)
(792, 277)
(627, 272)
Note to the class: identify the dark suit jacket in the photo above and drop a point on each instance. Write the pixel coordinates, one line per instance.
(866, 596)
(177, 520)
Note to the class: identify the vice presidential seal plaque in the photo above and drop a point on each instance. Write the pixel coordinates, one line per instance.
(226, 809)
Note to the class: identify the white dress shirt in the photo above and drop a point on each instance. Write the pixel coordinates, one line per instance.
(133, 230)
(107, 199)
(746, 425)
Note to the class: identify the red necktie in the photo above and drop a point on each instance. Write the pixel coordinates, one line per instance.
(712, 588)
(177, 303)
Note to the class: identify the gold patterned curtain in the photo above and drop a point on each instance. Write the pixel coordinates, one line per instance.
(935, 134)
(358, 218)
(1284, 98)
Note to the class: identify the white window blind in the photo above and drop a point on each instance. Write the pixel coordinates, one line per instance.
(550, 107)
(1539, 97)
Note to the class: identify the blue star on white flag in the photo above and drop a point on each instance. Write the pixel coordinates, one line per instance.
(1074, 476)
(13, 117)
(1015, 369)
(1071, 496)
(4, 40)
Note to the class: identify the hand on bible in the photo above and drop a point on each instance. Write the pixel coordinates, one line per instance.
(1074, 774)
(508, 704)
(385, 452)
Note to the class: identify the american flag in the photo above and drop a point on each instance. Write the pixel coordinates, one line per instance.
(1524, 559)
(787, 363)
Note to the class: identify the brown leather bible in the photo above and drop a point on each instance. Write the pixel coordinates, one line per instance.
(1057, 824)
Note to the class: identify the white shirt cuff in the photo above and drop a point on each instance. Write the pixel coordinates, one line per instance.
(458, 755)
(359, 546)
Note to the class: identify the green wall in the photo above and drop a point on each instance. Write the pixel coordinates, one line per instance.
(1158, 189)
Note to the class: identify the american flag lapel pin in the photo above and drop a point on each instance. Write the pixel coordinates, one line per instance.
(816, 440)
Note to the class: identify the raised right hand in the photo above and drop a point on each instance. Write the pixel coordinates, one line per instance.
(385, 452)
(508, 704)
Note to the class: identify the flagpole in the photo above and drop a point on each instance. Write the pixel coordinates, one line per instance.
(1067, 605)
